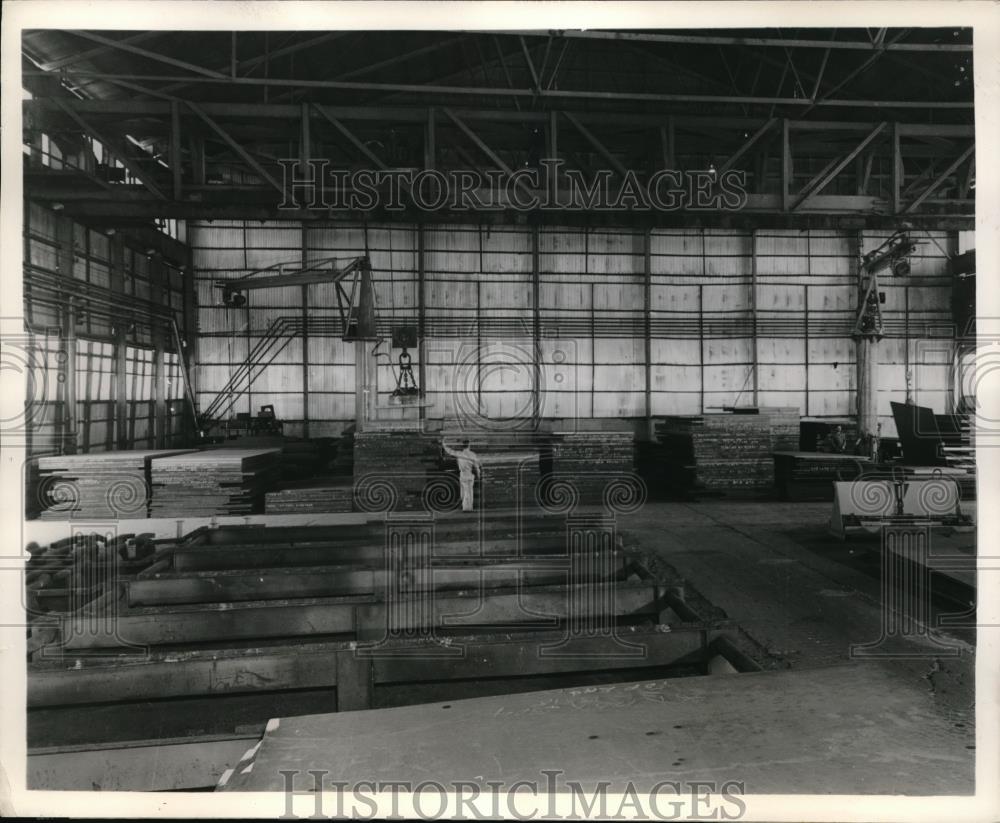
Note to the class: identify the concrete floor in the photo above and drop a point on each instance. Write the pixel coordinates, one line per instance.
(802, 595)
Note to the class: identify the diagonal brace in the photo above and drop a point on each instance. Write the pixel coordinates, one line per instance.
(768, 125)
(616, 164)
(236, 147)
(940, 179)
(823, 179)
(115, 146)
(346, 132)
(485, 149)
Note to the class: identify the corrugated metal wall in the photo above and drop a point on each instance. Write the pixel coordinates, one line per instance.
(735, 317)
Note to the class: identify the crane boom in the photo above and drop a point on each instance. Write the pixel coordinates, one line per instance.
(357, 308)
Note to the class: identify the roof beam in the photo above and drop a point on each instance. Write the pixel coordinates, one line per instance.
(555, 94)
(764, 210)
(121, 45)
(38, 109)
(506, 71)
(390, 61)
(250, 62)
(555, 68)
(531, 65)
(399, 58)
(671, 66)
(292, 48)
(867, 64)
(767, 42)
(79, 57)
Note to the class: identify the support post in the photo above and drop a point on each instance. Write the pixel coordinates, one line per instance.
(159, 391)
(429, 140)
(360, 387)
(536, 331)
(187, 345)
(305, 145)
(198, 160)
(896, 171)
(64, 264)
(175, 149)
(303, 258)
(755, 350)
(305, 360)
(701, 346)
(786, 166)
(69, 378)
(121, 333)
(866, 347)
(647, 245)
(421, 330)
(121, 391)
(668, 142)
(552, 152)
(161, 295)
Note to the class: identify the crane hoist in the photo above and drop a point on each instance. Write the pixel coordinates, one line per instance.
(357, 307)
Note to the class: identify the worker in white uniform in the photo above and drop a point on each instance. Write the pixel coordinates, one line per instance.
(468, 470)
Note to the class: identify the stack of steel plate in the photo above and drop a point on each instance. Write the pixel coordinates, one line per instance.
(718, 453)
(342, 464)
(106, 485)
(217, 481)
(391, 469)
(591, 461)
(309, 496)
(811, 475)
(509, 479)
(784, 425)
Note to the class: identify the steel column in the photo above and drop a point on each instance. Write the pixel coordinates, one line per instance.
(176, 167)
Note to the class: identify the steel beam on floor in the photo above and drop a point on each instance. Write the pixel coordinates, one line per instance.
(542, 606)
(288, 554)
(168, 675)
(223, 586)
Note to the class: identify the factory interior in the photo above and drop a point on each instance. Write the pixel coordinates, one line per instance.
(645, 490)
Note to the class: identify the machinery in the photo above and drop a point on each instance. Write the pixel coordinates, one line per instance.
(899, 497)
(357, 307)
(356, 304)
(893, 254)
(405, 338)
